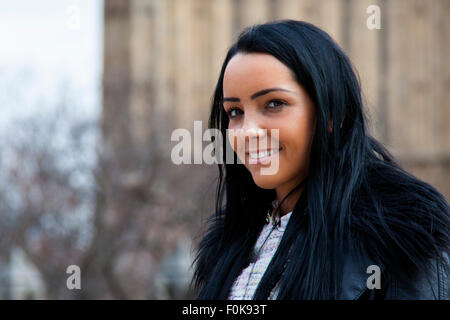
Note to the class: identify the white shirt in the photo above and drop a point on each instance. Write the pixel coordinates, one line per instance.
(246, 283)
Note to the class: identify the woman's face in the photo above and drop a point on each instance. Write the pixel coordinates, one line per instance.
(260, 92)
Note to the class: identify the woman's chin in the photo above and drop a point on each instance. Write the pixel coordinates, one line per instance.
(265, 181)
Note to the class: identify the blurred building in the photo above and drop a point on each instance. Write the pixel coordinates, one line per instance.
(162, 59)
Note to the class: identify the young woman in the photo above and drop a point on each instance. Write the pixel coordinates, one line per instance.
(347, 221)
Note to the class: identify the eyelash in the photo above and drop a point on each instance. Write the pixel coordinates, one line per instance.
(281, 103)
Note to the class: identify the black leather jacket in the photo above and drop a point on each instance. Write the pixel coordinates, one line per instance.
(434, 287)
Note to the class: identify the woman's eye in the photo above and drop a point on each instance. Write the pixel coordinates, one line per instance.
(231, 113)
(274, 104)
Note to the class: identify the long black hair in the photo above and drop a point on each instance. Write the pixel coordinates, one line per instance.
(356, 199)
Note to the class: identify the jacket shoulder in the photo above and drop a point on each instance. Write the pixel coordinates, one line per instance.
(431, 284)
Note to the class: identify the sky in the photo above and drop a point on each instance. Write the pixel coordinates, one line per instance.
(49, 48)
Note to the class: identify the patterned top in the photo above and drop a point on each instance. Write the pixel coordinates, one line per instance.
(245, 285)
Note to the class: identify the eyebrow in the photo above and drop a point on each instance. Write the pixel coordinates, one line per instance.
(255, 95)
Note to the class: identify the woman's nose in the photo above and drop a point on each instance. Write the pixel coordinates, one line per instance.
(252, 128)
(254, 134)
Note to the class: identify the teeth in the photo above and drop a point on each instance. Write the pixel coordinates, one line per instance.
(262, 154)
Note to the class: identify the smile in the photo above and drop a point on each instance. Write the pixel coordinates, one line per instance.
(262, 156)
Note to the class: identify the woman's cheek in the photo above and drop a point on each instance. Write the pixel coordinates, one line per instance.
(237, 144)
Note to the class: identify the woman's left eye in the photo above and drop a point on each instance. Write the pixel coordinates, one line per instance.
(274, 104)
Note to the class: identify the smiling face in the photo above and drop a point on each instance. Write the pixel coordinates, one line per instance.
(260, 94)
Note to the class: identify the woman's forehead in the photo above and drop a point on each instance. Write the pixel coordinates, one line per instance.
(256, 70)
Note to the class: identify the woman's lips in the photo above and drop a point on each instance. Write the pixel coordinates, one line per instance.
(262, 160)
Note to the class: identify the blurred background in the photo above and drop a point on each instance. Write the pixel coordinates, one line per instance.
(90, 92)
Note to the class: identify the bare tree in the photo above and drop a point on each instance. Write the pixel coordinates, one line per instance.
(65, 201)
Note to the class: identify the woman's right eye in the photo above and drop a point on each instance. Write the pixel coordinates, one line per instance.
(231, 114)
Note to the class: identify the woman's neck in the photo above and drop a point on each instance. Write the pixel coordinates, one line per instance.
(289, 203)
